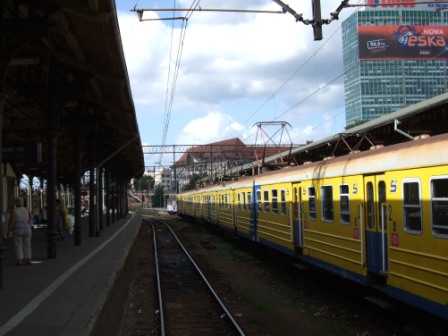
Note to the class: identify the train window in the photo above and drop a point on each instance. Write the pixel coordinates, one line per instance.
(244, 200)
(296, 208)
(344, 196)
(258, 200)
(439, 206)
(239, 201)
(382, 205)
(312, 203)
(411, 206)
(327, 203)
(249, 200)
(283, 201)
(266, 200)
(274, 201)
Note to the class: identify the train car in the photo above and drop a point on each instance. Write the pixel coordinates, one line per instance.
(225, 198)
(185, 203)
(210, 208)
(377, 217)
(171, 206)
(244, 209)
(274, 223)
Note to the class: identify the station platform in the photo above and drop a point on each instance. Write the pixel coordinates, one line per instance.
(80, 292)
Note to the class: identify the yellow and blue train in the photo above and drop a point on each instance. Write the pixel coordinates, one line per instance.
(378, 217)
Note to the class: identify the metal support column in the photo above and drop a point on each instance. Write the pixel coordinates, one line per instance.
(51, 160)
(77, 231)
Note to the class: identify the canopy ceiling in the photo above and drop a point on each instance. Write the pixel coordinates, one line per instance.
(63, 70)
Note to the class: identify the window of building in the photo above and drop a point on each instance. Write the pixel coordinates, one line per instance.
(274, 201)
(344, 197)
(266, 200)
(439, 206)
(327, 203)
(312, 203)
(412, 211)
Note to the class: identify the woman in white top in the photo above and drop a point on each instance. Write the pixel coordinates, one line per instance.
(20, 221)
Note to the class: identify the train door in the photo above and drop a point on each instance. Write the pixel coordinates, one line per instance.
(234, 205)
(256, 200)
(376, 224)
(297, 215)
(209, 208)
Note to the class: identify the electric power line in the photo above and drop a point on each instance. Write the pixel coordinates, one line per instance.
(293, 75)
(169, 98)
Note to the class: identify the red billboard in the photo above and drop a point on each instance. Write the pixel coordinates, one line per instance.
(403, 42)
(392, 3)
(404, 4)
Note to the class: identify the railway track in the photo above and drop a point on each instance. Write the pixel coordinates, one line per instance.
(187, 304)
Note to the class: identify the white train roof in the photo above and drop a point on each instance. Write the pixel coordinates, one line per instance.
(413, 154)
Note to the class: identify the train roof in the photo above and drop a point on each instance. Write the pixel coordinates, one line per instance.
(427, 117)
(430, 151)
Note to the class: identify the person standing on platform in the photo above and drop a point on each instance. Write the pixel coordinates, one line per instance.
(20, 222)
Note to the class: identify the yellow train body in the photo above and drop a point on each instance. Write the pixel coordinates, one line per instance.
(376, 217)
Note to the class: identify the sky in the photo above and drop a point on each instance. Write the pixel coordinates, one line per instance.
(225, 72)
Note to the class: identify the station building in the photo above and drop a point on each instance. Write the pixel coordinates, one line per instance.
(395, 55)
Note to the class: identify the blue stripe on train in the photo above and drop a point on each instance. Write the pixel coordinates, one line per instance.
(419, 302)
(277, 247)
(357, 278)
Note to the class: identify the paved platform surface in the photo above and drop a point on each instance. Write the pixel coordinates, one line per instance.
(65, 296)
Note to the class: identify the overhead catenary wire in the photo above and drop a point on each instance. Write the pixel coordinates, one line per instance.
(172, 80)
(357, 6)
(171, 85)
(196, 9)
(310, 58)
(310, 94)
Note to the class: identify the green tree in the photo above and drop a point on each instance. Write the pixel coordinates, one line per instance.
(192, 182)
(146, 182)
(158, 200)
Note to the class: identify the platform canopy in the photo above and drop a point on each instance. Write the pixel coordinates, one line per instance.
(64, 76)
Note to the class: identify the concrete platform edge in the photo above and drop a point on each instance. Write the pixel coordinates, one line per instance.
(98, 315)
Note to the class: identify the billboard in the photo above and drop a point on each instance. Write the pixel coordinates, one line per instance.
(404, 4)
(403, 42)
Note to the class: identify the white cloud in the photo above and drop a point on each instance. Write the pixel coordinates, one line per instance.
(236, 69)
(215, 126)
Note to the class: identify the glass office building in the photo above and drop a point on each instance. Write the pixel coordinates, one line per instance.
(393, 58)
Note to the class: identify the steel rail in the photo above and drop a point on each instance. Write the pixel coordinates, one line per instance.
(209, 286)
(159, 288)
